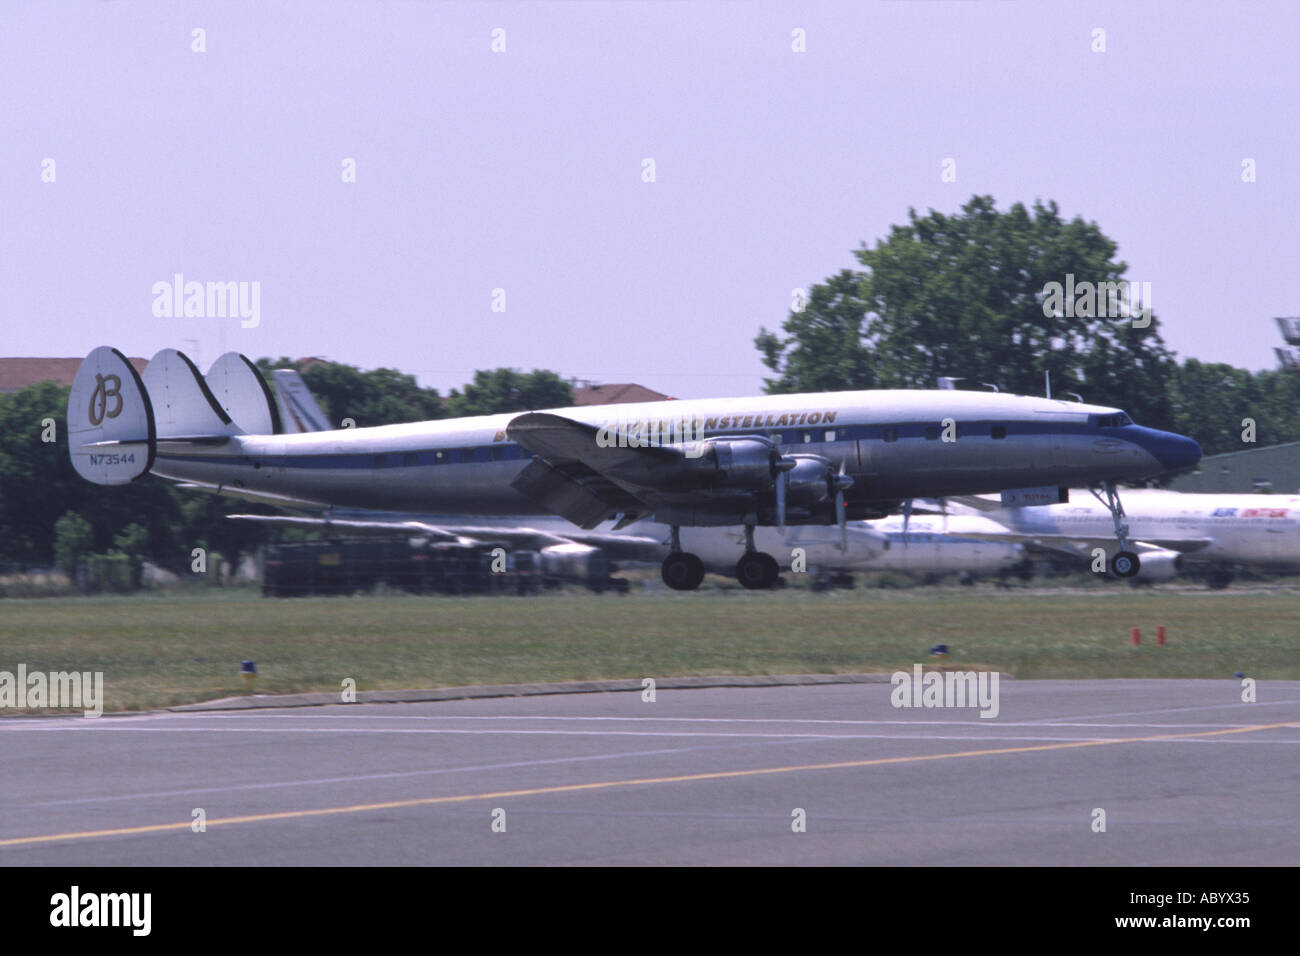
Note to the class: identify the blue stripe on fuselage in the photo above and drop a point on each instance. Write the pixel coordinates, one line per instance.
(790, 439)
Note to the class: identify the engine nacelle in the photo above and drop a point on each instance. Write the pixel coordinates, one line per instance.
(749, 463)
(811, 481)
(1159, 565)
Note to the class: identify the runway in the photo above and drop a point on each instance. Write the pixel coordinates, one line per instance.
(1185, 773)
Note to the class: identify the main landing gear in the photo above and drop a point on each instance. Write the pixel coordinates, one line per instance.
(755, 570)
(1125, 563)
(681, 571)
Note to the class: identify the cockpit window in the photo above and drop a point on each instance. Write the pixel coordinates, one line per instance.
(1118, 420)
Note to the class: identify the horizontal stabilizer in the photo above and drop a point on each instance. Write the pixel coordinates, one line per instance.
(111, 427)
(183, 405)
(240, 389)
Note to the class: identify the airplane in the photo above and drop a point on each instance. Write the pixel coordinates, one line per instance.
(929, 546)
(775, 460)
(1169, 529)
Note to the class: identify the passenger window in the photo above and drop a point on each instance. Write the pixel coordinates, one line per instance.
(806, 438)
(410, 458)
(498, 452)
(999, 431)
(931, 432)
(830, 434)
(891, 434)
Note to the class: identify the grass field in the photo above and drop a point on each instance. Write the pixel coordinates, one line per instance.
(158, 650)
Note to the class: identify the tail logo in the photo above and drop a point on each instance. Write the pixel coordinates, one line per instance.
(100, 396)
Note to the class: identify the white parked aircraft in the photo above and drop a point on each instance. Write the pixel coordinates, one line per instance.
(775, 460)
(1168, 529)
(928, 546)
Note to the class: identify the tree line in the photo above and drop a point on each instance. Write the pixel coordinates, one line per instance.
(963, 295)
(970, 296)
(50, 515)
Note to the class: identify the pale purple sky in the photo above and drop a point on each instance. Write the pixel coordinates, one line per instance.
(523, 170)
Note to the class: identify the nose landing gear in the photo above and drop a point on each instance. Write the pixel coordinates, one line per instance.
(1125, 563)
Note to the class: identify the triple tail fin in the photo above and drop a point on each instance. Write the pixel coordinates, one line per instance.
(184, 407)
(244, 395)
(111, 430)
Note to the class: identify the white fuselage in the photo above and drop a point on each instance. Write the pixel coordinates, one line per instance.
(1261, 530)
(894, 445)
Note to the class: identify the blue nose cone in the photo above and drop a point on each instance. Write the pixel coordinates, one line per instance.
(1174, 452)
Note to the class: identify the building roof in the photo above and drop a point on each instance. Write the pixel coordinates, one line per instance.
(18, 373)
(616, 394)
(1273, 468)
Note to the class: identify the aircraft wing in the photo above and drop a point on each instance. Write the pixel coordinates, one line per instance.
(618, 546)
(352, 525)
(257, 497)
(575, 477)
(1076, 546)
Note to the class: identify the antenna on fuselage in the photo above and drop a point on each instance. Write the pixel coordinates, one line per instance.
(1047, 378)
(991, 385)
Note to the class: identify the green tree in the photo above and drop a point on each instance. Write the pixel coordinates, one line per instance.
(963, 295)
(73, 539)
(510, 390)
(382, 396)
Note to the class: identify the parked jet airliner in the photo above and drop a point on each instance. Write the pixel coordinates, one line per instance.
(1169, 530)
(774, 460)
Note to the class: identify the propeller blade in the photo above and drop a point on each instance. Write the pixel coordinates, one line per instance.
(782, 484)
(842, 484)
(841, 518)
(907, 516)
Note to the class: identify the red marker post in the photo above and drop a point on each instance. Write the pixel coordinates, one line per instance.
(1135, 638)
(1160, 635)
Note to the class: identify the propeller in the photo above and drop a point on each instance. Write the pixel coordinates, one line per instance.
(783, 468)
(842, 483)
(836, 485)
(782, 483)
(907, 516)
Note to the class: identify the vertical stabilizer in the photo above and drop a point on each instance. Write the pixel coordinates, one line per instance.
(298, 408)
(240, 389)
(110, 420)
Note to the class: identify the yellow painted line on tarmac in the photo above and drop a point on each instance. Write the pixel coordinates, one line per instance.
(609, 784)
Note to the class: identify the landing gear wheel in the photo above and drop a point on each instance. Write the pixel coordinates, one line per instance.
(682, 571)
(1219, 579)
(757, 570)
(1125, 564)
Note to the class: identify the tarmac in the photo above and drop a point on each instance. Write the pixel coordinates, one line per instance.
(822, 772)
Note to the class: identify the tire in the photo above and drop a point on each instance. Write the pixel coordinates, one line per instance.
(757, 570)
(1125, 564)
(682, 571)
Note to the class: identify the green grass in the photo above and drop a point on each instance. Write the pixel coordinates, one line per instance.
(158, 650)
